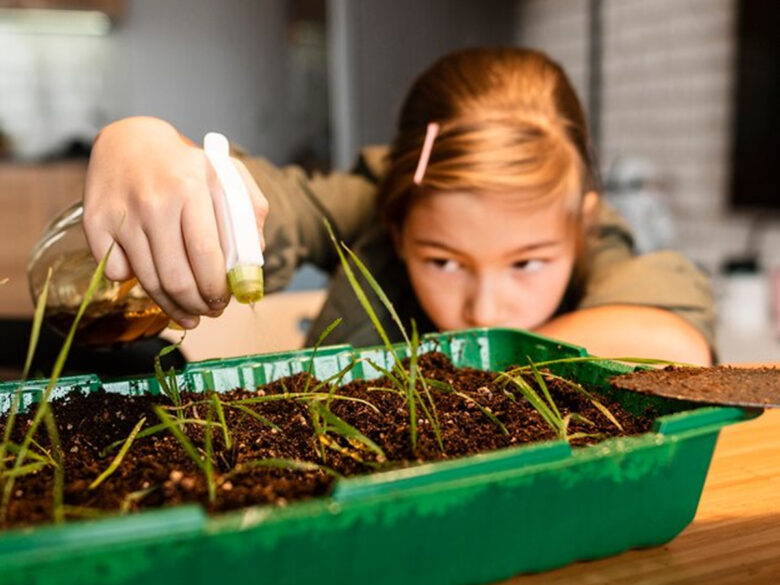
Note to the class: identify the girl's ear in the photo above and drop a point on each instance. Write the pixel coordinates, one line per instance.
(590, 209)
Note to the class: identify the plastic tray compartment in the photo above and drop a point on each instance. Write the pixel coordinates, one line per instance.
(471, 520)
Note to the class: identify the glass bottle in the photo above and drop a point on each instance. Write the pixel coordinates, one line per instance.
(118, 312)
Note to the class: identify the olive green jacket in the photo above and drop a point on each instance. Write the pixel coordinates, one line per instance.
(295, 233)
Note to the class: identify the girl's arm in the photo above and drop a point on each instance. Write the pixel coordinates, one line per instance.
(147, 189)
(631, 331)
(295, 231)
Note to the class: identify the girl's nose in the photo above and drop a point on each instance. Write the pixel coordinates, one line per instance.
(482, 306)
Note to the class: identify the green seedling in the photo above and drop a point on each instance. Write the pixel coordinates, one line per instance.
(253, 414)
(153, 430)
(406, 380)
(226, 435)
(334, 381)
(320, 341)
(286, 464)
(299, 396)
(43, 457)
(203, 463)
(543, 402)
(515, 377)
(328, 422)
(135, 497)
(592, 358)
(208, 460)
(44, 407)
(58, 493)
(119, 456)
(581, 389)
(484, 410)
(23, 470)
(167, 381)
(449, 389)
(40, 308)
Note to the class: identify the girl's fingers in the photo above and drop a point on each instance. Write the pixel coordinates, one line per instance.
(118, 266)
(201, 240)
(139, 252)
(101, 231)
(169, 254)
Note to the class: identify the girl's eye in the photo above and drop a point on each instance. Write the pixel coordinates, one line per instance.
(445, 264)
(529, 265)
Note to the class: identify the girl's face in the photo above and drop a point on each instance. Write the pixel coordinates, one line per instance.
(479, 261)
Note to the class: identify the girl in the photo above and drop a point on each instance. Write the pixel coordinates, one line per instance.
(484, 212)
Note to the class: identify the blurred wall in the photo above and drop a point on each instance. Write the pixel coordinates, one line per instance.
(378, 49)
(206, 65)
(53, 88)
(667, 95)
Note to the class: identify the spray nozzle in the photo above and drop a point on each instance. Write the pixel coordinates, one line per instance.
(236, 221)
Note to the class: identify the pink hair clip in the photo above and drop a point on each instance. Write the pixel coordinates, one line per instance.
(425, 153)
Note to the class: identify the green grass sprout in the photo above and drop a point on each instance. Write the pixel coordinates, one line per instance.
(407, 380)
(153, 430)
(285, 464)
(335, 424)
(592, 358)
(40, 308)
(43, 457)
(58, 498)
(543, 386)
(222, 422)
(167, 380)
(24, 470)
(253, 414)
(208, 460)
(43, 405)
(543, 402)
(119, 456)
(484, 410)
(135, 497)
(203, 463)
(320, 341)
(593, 400)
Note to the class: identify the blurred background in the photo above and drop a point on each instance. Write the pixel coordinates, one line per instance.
(681, 95)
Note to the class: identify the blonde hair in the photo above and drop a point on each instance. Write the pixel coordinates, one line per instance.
(509, 123)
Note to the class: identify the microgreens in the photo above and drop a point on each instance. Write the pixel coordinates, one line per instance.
(43, 411)
(167, 381)
(119, 456)
(406, 381)
(541, 400)
(204, 463)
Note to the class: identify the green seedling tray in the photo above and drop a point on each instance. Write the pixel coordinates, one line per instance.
(471, 520)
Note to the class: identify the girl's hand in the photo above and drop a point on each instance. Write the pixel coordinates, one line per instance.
(147, 188)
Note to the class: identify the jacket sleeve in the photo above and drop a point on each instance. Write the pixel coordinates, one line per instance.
(298, 203)
(664, 279)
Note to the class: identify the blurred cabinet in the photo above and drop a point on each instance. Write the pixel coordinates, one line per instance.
(113, 8)
(30, 196)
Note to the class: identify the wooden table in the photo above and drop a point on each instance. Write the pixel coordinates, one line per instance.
(735, 537)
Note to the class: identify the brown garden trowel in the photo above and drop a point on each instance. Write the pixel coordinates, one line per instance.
(722, 385)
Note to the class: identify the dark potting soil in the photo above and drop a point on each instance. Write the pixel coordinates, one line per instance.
(156, 471)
